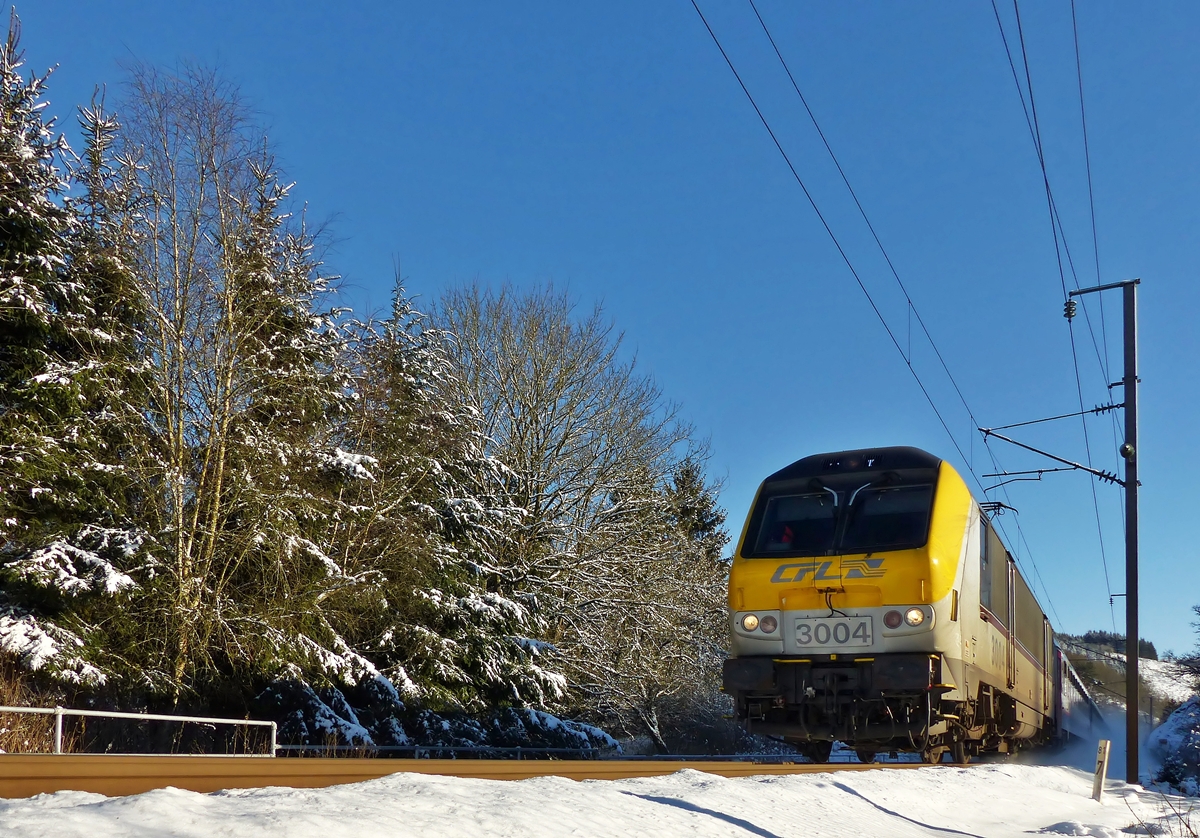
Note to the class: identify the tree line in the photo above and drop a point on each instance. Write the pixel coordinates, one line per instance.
(214, 479)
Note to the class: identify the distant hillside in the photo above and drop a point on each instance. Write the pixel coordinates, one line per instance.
(1112, 641)
(1164, 684)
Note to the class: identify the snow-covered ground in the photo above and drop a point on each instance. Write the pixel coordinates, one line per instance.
(1042, 791)
(1176, 745)
(987, 800)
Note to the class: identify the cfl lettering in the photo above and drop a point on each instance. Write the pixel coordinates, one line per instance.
(822, 571)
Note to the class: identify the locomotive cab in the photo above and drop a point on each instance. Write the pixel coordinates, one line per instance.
(855, 612)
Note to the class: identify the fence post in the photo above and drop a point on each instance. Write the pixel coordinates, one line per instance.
(58, 717)
(274, 739)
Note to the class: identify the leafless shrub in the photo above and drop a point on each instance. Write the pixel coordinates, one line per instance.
(1174, 819)
(26, 733)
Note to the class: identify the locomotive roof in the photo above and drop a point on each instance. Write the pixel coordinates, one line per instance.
(862, 459)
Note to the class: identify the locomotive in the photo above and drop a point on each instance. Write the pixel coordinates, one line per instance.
(872, 601)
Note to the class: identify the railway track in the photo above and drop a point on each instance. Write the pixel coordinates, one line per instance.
(24, 775)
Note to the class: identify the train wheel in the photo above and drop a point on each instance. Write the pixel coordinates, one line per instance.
(958, 752)
(932, 755)
(864, 756)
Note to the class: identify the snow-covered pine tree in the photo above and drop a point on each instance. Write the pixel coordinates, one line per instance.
(33, 294)
(697, 516)
(244, 384)
(437, 518)
(279, 589)
(62, 525)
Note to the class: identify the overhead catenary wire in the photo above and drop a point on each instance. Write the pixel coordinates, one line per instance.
(870, 299)
(911, 307)
(1056, 218)
(1106, 366)
(1087, 159)
(1102, 408)
(1057, 231)
(829, 230)
(1059, 234)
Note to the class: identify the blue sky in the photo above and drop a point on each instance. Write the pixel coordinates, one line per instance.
(606, 147)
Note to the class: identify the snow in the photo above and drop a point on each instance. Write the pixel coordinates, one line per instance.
(23, 637)
(988, 801)
(1167, 680)
(1179, 730)
(71, 570)
(43, 647)
(1164, 679)
(343, 662)
(351, 465)
(1176, 744)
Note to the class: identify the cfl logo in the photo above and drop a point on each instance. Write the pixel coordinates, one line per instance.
(822, 571)
(863, 568)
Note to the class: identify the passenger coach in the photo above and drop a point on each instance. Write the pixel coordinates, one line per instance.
(871, 601)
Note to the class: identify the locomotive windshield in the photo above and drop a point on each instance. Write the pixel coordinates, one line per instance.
(853, 502)
(887, 519)
(792, 523)
(863, 519)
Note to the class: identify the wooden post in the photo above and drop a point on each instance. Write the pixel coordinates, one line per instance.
(1101, 769)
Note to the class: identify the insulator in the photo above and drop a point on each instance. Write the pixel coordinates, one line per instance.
(1069, 309)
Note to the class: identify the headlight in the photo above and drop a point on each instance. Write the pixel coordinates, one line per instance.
(914, 616)
(892, 619)
(750, 622)
(769, 624)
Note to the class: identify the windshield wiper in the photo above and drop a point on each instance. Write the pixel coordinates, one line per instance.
(854, 494)
(815, 483)
(887, 479)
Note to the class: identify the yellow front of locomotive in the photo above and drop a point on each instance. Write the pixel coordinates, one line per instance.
(844, 597)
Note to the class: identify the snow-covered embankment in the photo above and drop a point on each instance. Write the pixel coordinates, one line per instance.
(988, 800)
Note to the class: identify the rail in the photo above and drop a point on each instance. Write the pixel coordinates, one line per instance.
(424, 751)
(531, 752)
(59, 712)
(23, 775)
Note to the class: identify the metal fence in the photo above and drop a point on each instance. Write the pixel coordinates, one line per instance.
(59, 712)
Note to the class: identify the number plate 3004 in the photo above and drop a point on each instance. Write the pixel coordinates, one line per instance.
(834, 631)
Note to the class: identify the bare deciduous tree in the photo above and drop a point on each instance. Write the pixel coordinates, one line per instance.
(630, 599)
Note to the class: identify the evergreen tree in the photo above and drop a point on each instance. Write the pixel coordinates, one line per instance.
(438, 518)
(693, 503)
(34, 295)
(208, 482)
(39, 394)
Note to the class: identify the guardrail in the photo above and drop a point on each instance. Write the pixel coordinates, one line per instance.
(59, 712)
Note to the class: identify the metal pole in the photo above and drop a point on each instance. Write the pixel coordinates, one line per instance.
(1130, 452)
(58, 716)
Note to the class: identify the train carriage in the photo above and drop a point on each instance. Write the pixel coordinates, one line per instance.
(872, 601)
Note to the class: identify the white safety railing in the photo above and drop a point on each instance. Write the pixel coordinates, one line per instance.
(59, 712)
